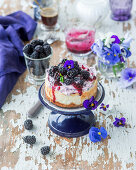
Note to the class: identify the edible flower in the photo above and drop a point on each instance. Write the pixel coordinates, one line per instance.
(104, 107)
(69, 64)
(119, 122)
(117, 40)
(96, 134)
(90, 104)
(128, 77)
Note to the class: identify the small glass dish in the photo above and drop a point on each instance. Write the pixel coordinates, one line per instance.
(37, 68)
(79, 40)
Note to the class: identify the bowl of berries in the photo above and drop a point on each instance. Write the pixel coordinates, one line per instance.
(37, 56)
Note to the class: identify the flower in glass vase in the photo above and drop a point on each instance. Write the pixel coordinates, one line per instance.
(112, 52)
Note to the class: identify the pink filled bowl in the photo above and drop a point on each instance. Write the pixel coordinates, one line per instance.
(79, 41)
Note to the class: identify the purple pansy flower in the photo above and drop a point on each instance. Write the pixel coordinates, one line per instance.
(69, 64)
(104, 107)
(128, 77)
(90, 104)
(96, 134)
(119, 122)
(117, 40)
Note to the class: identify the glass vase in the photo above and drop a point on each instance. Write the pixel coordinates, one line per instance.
(121, 9)
(111, 71)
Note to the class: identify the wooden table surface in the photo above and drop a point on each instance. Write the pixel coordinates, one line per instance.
(118, 151)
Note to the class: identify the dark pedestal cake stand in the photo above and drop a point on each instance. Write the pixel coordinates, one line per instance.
(70, 122)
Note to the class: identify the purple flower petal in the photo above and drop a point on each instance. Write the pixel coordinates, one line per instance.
(117, 40)
(119, 122)
(86, 104)
(107, 105)
(104, 108)
(91, 100)
(102, 104)
(69, 64)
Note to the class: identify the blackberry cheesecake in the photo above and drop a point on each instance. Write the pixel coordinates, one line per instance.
(70, 83)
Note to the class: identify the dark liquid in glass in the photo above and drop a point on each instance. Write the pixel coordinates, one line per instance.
(49, 16)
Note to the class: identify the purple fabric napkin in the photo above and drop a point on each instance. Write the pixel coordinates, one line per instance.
(14, 28)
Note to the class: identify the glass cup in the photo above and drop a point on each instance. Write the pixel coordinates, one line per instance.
(49, 17)
(121, 9)
(37, 68)
(79, 39)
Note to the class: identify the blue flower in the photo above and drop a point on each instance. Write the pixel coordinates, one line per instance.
(111, 55)
(96, 134)
(127, 52)
(128, 77)
(126, 42)
(96, 49)
(116, 49)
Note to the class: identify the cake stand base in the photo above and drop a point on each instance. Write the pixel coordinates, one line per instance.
(70, 122)
(71, 126)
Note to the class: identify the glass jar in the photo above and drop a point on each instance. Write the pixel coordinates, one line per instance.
(37, 68)
(111, 71)
(79, 39)
(91, 12)
(121, 9)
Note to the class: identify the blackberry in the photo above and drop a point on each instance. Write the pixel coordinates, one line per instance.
(77, 79)
(34, 55)
(68, 81)
(72, 73)
(76, 64)
(47, 50)
(82, 82)
(79, 70)
(51, 73)
(34, 43)
(85, 74)
(62, 70)
(38, 70)
(45, 43)
(39, 48)
(28, 124)
(57, 76)
(55, 68)
(42, 55)
(31, 64)
(63, 61)
(45, 150)
(28, 49)
(30, 139)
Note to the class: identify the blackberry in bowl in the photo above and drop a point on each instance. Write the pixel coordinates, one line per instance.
(37, 57)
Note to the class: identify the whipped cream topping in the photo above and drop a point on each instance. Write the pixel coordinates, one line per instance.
(70, 89)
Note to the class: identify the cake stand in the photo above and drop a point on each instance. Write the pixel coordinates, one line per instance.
(70, 122)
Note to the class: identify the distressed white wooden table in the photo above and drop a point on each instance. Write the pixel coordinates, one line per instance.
(118, 151)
